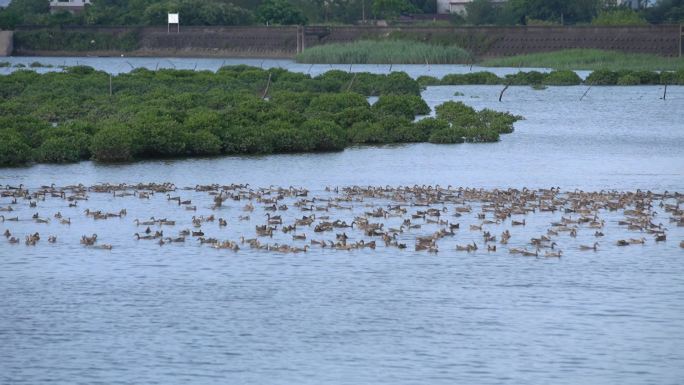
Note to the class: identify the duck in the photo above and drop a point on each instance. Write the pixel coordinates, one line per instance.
(660, 237)
(639, 241)
(622, 242)
(7, 233)
(550, 254)
(52, 239)
(585, 247)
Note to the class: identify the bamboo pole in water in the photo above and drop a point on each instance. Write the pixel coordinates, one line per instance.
(585, 93)
(502, 91)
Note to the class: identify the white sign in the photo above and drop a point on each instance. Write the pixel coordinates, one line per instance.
(173, 18)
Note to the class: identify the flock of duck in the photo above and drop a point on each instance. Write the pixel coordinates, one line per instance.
(428, 219)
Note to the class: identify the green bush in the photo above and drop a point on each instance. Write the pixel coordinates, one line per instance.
(458, 114)
(429, 125)
(407, 106)
(628, 80)
(501, 122)
(426, 81)
(619, 17)
(603, 78)
(337, 102)
(350, 116)
(58, 150)
(448, 135)
(562, 78)
(203, 142)
(525, 78)
(484, 77)
(13, 150)
(114, 143)
(325, 136)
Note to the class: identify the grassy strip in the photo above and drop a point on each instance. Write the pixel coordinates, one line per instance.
(589, 59)
(384, 52)
(73, 115)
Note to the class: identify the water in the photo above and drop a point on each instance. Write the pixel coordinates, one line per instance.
(142, 313)
(116, 65)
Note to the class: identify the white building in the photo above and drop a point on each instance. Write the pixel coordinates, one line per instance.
(68, 5)
(456, 6)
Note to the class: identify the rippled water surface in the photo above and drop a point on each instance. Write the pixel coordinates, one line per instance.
(142, 313)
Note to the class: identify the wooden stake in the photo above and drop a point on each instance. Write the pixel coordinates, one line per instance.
(585, 93)
(502, 92)
(267, 85)
(665, 92)
(351, 82)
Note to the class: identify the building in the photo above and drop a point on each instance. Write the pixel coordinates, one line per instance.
(456, 6)
(73, 6)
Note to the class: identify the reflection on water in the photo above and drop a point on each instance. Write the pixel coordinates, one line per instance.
(141, 313)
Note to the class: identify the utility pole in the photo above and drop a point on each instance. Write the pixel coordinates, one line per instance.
(363, 11)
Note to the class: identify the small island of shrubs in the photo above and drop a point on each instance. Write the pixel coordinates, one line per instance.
(558, 78)
(74, 115)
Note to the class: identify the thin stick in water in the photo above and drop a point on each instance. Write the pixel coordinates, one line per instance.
(502, 92)
(585, 93)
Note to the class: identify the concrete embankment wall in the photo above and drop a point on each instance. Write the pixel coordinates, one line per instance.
(6, 43)
(662, 40)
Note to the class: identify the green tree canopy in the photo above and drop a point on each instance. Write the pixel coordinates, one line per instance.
(391, 9)
(279, 12)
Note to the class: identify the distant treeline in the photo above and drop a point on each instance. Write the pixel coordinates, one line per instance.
(82, 114)
(559, 78)
(289, 12)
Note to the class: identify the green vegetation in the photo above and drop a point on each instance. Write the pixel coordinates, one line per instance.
(589, 59)
(279, 12)
(619, 16)
(69, 116)
(247, 12)
(386, 51)
(539, 80)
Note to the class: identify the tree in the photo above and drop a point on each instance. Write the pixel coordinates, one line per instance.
(391, 9)
(666, 11)
(481, 12)
(279, 12)
(565, 11)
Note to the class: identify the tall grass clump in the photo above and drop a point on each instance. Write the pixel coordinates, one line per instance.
(384, 52)
(589, 59)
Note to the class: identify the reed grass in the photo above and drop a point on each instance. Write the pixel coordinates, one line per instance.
(384, 52)
(589, 59)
